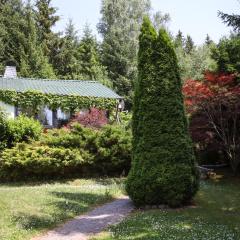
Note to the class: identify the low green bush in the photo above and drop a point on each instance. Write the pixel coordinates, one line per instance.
(110, 147)
(78, 151)
(25, 161)
(113, 146)
(76, 137)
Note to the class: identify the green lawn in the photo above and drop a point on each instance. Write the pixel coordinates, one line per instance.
(215, 217)
(27, 210)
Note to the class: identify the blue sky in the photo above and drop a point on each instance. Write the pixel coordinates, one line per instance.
(194, 17)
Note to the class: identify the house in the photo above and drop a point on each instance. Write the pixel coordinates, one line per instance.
(91, 91)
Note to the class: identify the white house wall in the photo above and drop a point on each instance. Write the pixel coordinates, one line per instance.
(9, 109)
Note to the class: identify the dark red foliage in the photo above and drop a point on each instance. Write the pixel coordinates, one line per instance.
(214, 109)
(93, 118)
(214, 85)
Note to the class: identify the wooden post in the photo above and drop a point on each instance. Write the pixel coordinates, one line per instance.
(117, 114)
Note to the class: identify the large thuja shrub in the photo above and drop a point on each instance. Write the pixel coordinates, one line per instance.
(163, 167)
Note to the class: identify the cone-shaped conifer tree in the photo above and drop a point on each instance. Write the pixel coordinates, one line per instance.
(163, 168)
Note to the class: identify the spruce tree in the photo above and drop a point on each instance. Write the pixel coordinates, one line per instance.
(232, 20)
(179, 40)
(189, 45)
(46, 19)
(33, 63)
(12, 21)
(163, 168)
(67, 62)
(91, 67)
(208, 40)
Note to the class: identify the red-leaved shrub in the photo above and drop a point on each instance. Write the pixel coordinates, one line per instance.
(214, 109)
(93, 118)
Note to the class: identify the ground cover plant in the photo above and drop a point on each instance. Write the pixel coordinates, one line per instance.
(214, 216)
(27, 209)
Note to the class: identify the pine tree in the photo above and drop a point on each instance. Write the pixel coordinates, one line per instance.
(2, 44)
(227, 54)
(189, 45)
(163, 168)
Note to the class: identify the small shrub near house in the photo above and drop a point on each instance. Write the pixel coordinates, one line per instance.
(94, 118)
(23, 129)
(78, 151)
(3, 129)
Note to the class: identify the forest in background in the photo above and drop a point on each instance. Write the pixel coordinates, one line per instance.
(27, 39)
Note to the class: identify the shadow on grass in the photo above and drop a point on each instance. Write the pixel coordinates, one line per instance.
(31, 183)
(66, 206)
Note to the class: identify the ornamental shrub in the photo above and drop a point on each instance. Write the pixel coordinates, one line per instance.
(22, 129)
(94, 118)
(163, 167)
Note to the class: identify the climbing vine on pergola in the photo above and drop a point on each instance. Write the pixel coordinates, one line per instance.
(35, 100)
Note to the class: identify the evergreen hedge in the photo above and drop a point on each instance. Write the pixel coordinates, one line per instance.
(67, 153)
(163, 167)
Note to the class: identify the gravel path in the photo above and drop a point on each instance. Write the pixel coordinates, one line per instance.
(92, 223)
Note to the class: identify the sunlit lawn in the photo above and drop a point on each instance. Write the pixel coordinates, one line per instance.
(215, 217)
(27, 210)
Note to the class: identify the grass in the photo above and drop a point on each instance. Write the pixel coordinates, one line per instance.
(29, 209)
(216, 216)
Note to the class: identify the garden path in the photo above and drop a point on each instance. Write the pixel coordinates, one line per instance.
(85, 226)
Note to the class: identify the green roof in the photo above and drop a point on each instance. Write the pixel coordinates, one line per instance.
(59, 87)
